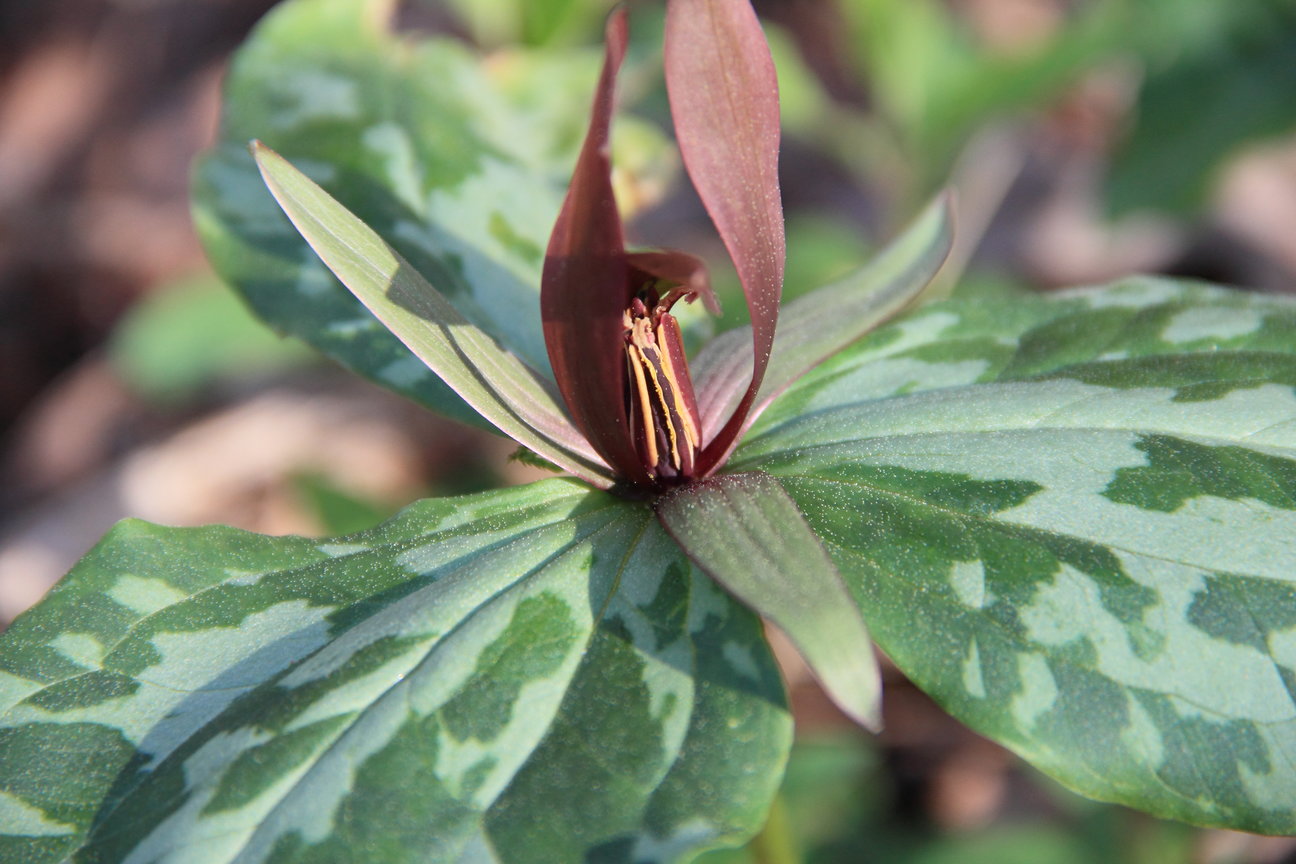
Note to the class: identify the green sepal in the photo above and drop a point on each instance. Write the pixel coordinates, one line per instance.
(748, 535)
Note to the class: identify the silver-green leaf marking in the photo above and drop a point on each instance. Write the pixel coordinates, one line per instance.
(418, 692)
(1073, 521)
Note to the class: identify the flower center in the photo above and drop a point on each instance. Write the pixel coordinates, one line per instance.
(662, 410)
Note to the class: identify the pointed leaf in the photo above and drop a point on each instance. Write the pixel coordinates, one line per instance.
(585, 289)
(494, 382)
(417, 692)
(457, 160)
(746, 532)
(1089, 555)
(822, 323)
(724, 102)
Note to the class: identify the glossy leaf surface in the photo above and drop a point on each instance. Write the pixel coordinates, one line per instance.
(417, 692)
(1072, 520)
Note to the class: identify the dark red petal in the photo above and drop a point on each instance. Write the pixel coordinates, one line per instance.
(678, 267)
(724, 100)
(585, 288)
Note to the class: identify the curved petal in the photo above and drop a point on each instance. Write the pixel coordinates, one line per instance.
(681, 268)
(724, 101)
(585, 286)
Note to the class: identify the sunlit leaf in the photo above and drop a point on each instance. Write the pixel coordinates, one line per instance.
(458, 163)
(417, 692)
(818, 325)
(490, 379)
(1073, 521)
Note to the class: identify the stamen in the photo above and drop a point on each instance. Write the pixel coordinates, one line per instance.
(687, 413)
(662, 407)
(635, 358)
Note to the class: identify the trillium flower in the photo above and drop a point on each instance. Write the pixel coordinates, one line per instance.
(625, 410)
(1005, 486)
(613, 342)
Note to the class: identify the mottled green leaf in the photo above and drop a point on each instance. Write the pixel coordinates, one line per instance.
(493, 381)
(748, 535)
(418, 692)
(1072, 519)
(1150, 324)
(458, 163)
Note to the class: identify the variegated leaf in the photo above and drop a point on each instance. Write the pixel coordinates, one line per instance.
(976, 340)
(1072, 519)
(458, 162)
(533, 674)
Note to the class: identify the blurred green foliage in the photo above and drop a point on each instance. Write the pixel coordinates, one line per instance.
(190, 335)
(1215, 77)
(933, 83)
(339, 511)
(531, 22)
(838, 806)
(1230, 86)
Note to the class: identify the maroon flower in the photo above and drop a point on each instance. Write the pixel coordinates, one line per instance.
(613, 343)
(635, 415)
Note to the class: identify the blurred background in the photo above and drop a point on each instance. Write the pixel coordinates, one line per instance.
(1087, 139)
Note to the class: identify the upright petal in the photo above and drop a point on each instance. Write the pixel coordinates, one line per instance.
(724, 101)
(585, 287)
